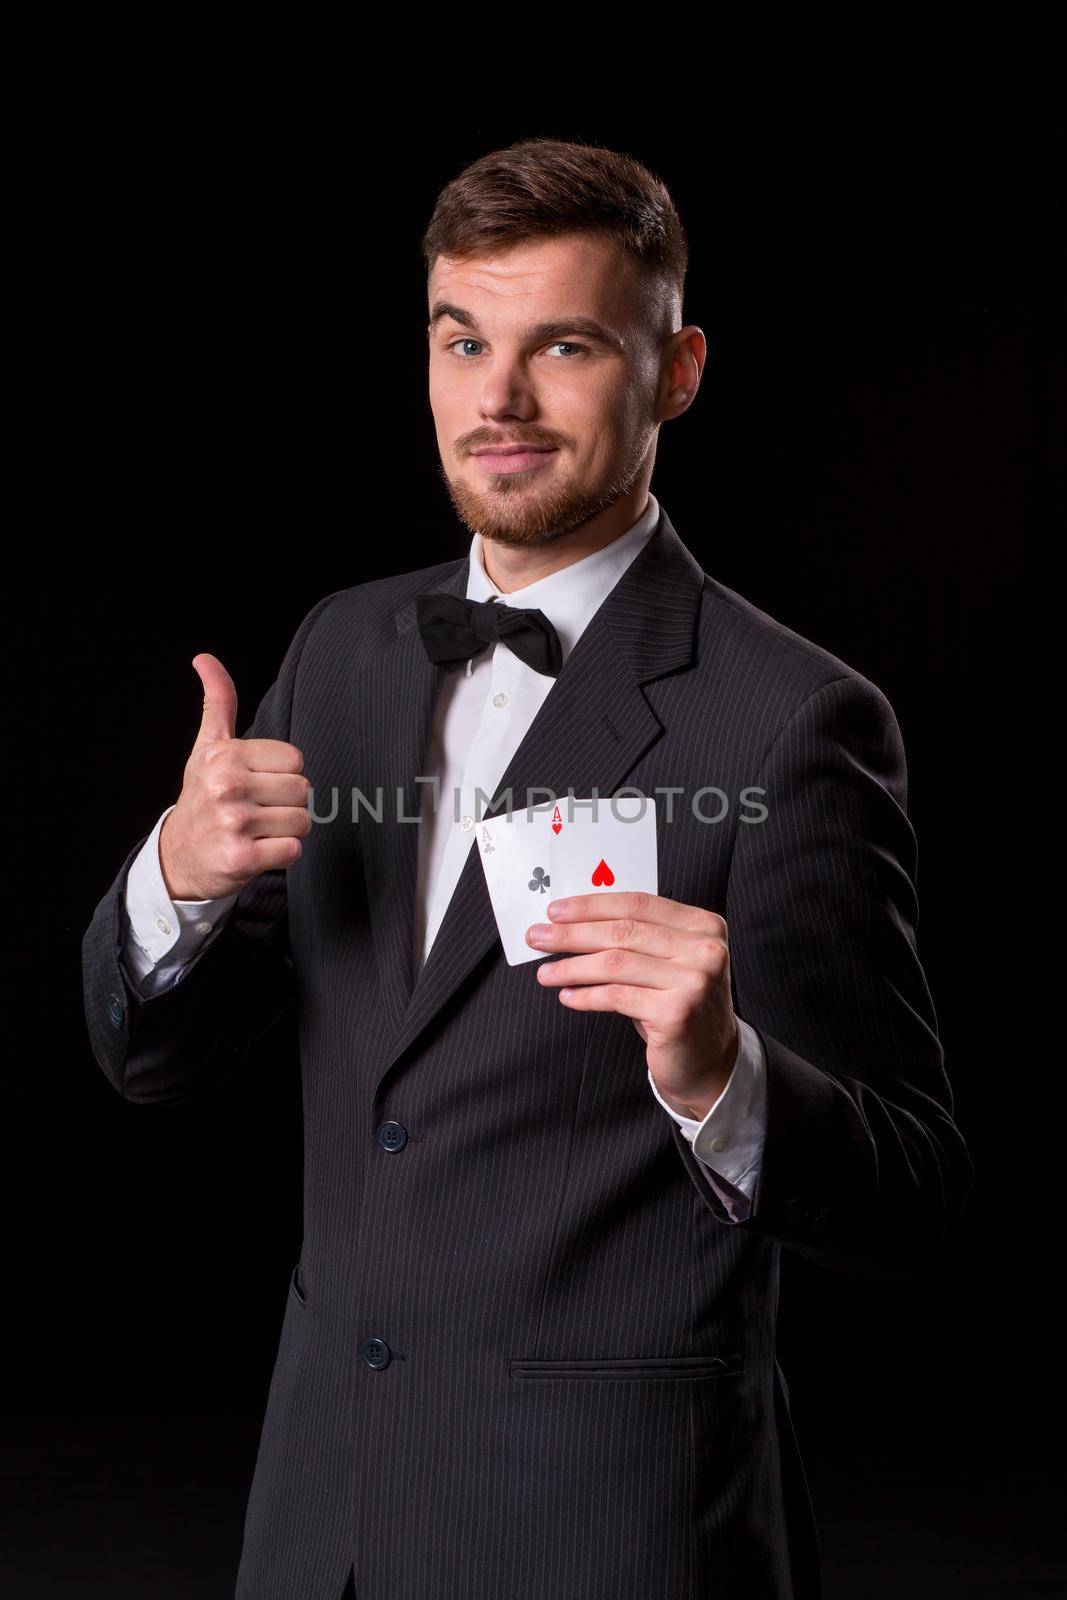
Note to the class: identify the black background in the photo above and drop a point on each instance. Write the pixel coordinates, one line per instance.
(218, 411)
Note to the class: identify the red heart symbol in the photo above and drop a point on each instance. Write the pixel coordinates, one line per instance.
(603, 875)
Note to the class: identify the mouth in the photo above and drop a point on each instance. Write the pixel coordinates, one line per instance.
(514, 457)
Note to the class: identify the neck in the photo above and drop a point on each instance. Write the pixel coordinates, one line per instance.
(510, 567)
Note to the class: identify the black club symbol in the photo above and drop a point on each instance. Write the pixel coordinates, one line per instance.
(540, 880)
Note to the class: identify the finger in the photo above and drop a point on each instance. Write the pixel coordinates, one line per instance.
(638, 903)
(219, 719)
(622, 933)
(272, 755)
(653, 1007)
(606, 967)
(268, 855)
(277, 788)
(701, 950)
(275, 822)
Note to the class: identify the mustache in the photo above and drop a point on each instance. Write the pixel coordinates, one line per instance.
(484, 441)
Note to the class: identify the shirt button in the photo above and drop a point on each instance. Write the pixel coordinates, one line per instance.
(466, 823)
(162, 924)
(203, 927)
(500, 699)
(721, 1142)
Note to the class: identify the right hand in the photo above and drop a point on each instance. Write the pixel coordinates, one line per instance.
(243, 808)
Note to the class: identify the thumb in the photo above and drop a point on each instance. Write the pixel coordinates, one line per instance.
(220, 700)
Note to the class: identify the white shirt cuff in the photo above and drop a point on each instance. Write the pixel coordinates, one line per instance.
(729, 1139)
(166, 929)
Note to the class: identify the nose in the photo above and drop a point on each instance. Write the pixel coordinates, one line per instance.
(507, 392)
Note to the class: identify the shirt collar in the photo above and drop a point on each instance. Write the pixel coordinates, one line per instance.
(570, 597)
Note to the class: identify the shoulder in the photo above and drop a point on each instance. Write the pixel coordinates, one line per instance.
(355, 621)
(782, 678)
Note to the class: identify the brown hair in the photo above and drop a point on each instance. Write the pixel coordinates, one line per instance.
(541, 187)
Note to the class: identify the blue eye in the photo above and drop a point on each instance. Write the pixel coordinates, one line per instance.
(559, 344)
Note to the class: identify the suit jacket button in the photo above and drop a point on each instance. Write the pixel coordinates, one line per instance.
(376, 1353)
(116, 1011)
(392, 1136)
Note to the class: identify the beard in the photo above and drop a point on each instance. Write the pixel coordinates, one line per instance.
(511, 514)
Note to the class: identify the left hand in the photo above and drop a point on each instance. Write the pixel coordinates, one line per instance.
(663, 964)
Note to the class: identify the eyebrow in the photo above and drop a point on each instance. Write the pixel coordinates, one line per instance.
(538, 331)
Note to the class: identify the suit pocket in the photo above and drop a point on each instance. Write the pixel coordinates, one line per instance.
(628, 1368)
(296, 1288)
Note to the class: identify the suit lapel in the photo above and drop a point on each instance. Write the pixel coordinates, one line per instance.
(590, 731)
(398, 693)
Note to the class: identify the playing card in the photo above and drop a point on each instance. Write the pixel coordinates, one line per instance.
(558, 849)
(613, 853)
(516, 860)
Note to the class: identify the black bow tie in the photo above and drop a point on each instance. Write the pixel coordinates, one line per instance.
(453, 629)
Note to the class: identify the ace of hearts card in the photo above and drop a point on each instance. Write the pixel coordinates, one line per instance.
(562, 848)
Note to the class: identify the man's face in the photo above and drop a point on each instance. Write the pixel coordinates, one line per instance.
(543, 346)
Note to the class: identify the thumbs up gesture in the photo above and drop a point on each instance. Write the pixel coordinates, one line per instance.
(243, 808)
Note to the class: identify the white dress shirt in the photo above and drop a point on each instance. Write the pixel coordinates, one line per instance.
(480, 718)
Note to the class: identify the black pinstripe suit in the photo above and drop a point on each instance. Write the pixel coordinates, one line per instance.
(525, 1354)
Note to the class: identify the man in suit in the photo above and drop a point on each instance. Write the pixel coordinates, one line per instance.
(529, 1347)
